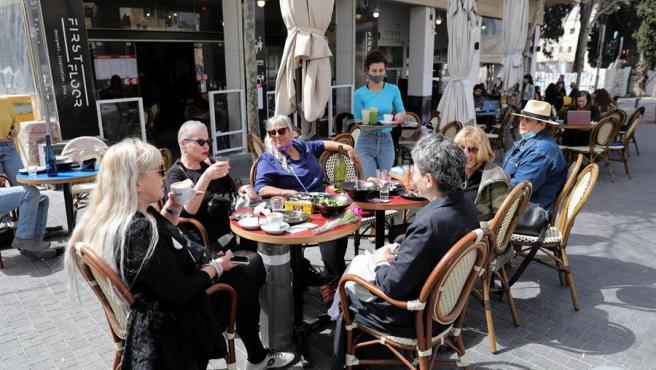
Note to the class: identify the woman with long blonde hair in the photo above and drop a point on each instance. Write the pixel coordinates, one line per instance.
(151, 256)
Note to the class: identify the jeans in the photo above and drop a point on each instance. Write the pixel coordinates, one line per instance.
(33, 210)
(10, 161)
(376, 151)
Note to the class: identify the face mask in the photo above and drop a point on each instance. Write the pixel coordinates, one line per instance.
(376, 78)
(284, 148)
(529, 135)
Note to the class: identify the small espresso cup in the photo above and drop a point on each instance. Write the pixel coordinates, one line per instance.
(274, 220)
(183, 191)
(388, 118)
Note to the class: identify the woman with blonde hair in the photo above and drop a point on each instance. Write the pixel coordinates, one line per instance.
(173, 324)
(487, 184)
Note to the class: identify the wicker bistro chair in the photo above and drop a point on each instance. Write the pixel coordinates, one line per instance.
(635, 116)
(407, 142)
(451, 129)
(619, 150)
(555, 243)
(443, 299)
(344, 138)
(116, 299)
(255, 146)
(353, 172)
(600, 138)
(572, 173)
(435, 119)
(502, 225)
(499, 130)
(355, 133)
(619, 114)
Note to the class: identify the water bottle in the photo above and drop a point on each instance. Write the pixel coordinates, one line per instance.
(340, 169)
(50, 159)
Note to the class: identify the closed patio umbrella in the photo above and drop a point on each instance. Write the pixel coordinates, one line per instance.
(515, 28)
(307, 48)
(457, 103)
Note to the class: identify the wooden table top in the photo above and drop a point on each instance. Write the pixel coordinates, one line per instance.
(396, 203)
(577, 126)
(69, 177)
(303, 237)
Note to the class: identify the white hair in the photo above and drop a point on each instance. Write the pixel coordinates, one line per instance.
(284, 122)
(112, 206)
(188, 127)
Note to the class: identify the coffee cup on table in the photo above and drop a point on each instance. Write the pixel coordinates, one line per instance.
(274, 220)
(183, 191)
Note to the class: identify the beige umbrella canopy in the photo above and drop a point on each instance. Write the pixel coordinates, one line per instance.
(307, 48)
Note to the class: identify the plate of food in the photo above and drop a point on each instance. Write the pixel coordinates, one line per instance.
(411, 195)
(295, 217)
(329, 205)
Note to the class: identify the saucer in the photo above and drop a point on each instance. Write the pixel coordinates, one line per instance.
(249, 223)
(277, 231)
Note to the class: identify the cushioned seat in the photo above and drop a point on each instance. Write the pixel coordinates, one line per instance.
(553, 236)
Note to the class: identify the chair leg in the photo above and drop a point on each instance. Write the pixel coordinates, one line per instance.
(356, 242)
(625, 159)
(2, 265)
(559, 266)
(635, 143)
(570, 279)
(610, 170)
(118, 356)
(509, 298)
(488, 313)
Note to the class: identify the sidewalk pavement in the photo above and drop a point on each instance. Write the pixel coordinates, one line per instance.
(44, 326)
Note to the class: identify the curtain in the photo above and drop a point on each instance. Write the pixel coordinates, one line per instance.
(307, 48)
(457, 103)
(515, 29)
(15, 69)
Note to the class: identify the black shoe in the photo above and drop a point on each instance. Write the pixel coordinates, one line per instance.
(43, 254)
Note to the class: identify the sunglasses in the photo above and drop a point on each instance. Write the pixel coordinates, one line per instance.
(469, 149)
(161, 170)
(200, 142)
(281, 131)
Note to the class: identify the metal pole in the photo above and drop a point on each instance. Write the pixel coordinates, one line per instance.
(600, 51)
(619, 51)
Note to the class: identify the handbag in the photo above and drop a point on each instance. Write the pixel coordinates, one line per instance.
(533, 220)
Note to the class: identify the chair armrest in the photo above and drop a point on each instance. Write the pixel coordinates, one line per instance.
(230, 291)
(371, 288)
(201, 229)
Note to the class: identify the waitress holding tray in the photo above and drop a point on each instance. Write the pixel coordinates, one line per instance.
(375, 146)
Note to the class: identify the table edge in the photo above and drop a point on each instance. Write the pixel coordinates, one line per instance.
(286, 239)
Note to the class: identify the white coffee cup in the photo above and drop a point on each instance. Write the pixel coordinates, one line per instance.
(274, 220)
(388, 117)
(183, 191)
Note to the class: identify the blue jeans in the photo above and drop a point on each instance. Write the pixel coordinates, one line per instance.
(376, 151)
(33, 210)
(10, 161)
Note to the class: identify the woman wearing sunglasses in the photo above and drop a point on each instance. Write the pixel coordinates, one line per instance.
(487, 184)
(290, 166)
(212, 183)
(173, 324)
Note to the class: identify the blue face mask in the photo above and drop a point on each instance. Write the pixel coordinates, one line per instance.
(529, 135)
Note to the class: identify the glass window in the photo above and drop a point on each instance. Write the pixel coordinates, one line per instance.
(16, 76)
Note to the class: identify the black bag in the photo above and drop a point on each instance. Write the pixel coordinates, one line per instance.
(219, 207)
(533, 220)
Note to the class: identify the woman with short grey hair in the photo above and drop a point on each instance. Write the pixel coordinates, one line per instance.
(439, 173)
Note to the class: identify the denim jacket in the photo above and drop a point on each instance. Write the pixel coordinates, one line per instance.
(539, 160)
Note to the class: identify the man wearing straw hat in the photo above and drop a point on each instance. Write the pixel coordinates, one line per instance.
(536, 157)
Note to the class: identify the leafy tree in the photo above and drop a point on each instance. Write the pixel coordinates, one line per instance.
(646, 46)
(625, 22)
(552, 28)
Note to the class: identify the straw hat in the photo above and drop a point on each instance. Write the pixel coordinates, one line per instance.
(537, 110)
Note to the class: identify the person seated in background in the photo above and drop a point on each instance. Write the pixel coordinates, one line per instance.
(528, 89)
(552, 97)
(174, 324)
(479, 96)
(439, 174)
(214, 187)
(290, 166)
(538, 93)
(536, 157)
(486, 184)
(578, 137)
(574, 90)
(33, 216)
(602, 100)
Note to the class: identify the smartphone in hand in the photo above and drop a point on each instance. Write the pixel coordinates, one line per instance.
(239, 260)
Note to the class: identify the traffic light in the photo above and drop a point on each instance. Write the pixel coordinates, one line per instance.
(593, 41)
(611, 49)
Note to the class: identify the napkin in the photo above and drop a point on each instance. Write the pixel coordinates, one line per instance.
(301, 227)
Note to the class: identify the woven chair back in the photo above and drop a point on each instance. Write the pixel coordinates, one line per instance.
(355, 133)
(83, 148)
(111, 291)
(252, 174)
(576, 199)
(572, 173)
(619, 114)
(451, 129)
(345, 138)
(435, 119)
(504, 222)
(328, 160)
(255, 146)
(633, 123)
(507, 117)
(449, 285)
(339, 120)
(412, 117)
(167, 157)
(603, 132)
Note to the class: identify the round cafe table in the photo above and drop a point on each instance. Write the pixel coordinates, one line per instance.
(396, 203)
(280, 290)
(66, 179)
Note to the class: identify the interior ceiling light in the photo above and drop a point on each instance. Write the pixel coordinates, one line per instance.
(261, 3)
(438, 20)
(375, 13)
(483, 26)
